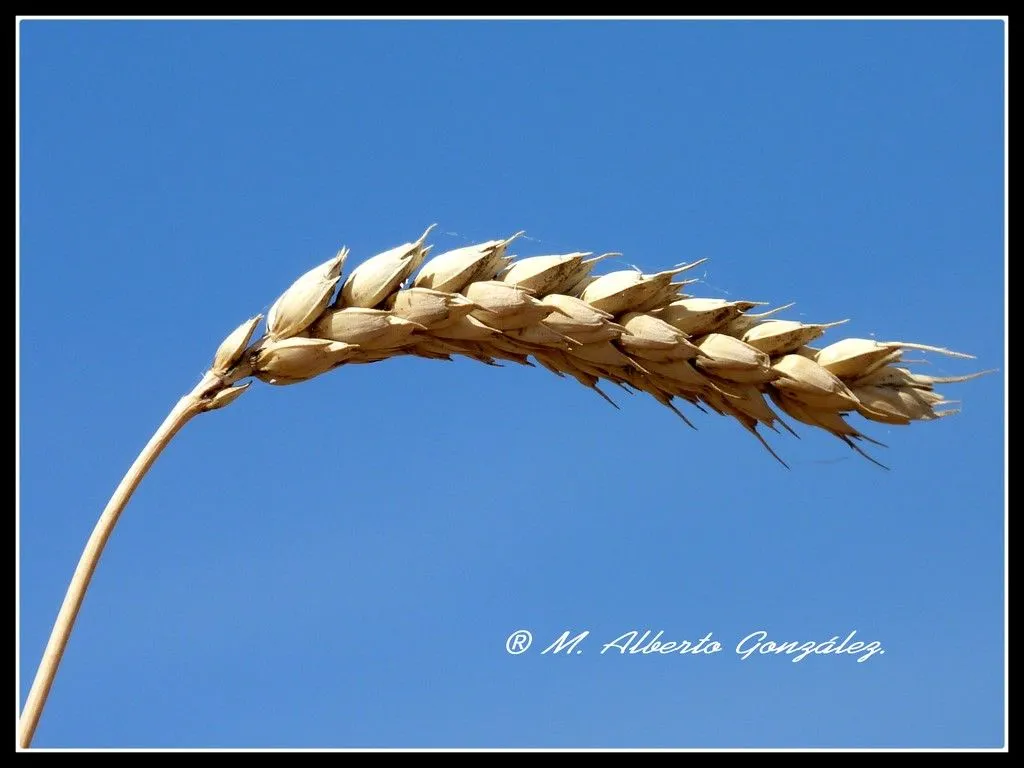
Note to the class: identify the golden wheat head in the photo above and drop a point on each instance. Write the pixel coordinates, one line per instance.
(635, 330)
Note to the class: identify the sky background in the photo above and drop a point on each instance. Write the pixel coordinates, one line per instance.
(339, 563)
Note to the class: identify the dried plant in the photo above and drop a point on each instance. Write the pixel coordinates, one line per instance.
(638, 331)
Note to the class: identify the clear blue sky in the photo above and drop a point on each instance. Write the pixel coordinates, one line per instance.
(339, 563)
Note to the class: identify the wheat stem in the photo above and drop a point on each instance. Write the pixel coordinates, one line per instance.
(193, 403)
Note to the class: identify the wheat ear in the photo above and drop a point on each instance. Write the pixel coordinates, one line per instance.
(635, 330)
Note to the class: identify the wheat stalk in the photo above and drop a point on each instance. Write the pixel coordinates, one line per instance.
(638, 331)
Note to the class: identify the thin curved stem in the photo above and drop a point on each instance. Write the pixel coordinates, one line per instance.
(191, 404)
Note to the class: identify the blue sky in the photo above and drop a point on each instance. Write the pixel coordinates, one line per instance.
(339, 563)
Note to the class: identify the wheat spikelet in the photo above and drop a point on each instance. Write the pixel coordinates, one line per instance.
(635, 330)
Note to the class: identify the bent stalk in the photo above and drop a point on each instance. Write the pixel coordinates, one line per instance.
(196, 401)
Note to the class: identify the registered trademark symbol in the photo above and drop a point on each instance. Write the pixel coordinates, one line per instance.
(518, 641)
